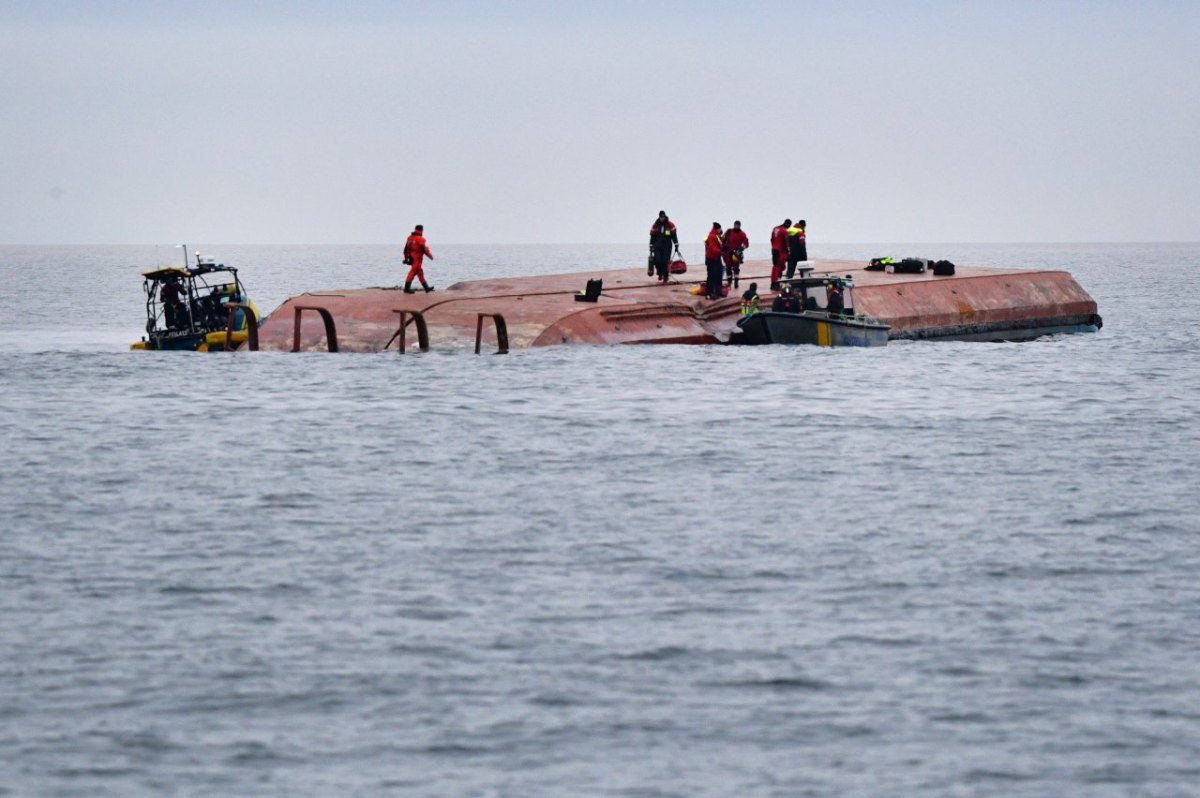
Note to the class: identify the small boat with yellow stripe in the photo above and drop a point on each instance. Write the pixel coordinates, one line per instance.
(812, 310)
(197, 308)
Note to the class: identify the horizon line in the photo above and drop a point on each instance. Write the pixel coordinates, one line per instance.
(588, 243)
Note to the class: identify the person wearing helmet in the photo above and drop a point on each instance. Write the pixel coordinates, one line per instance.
(834, 298)
(786, 301)
(415, 252)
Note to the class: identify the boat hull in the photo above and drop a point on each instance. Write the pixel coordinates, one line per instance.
(816, 329)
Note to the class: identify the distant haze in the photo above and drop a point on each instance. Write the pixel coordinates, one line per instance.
(303, 122)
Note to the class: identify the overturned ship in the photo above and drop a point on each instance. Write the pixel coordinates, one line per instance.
(624, 306)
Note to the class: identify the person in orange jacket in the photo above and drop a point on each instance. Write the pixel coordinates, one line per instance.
(779, 252)
(415, 252)
(712, 261)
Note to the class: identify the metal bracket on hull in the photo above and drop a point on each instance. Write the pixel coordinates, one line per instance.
(251, 327)
(330, 329)
(501, 332)
(422, 329)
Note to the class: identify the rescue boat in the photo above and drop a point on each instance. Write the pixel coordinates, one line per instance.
(823, 315)
(198, 308)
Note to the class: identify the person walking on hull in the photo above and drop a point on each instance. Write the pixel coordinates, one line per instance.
(779, 252)
(415, 252)
(736, 242)
(713, 245)
(797, 250)
(663, 238)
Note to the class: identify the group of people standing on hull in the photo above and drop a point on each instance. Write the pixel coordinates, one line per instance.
(723, 253)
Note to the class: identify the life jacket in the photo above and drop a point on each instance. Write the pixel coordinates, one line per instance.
(795, 242)
(834, 300)
(415, 249)
(713, 245)
(750, 306)
(662, 232)
(736, 239)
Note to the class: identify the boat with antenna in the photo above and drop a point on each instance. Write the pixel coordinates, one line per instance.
(200, 307)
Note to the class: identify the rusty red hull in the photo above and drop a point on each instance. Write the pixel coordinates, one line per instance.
(633, 308)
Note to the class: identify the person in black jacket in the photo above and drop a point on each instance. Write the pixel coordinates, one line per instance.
(797, 246)
(663, 238)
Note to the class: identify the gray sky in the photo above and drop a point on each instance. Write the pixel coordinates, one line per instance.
(303, 122)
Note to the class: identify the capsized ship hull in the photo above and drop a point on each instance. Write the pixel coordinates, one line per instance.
(634, 309)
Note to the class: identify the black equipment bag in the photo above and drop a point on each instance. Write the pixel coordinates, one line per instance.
(911, 266)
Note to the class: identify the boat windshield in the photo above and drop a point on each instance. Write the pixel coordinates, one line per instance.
(819, 293)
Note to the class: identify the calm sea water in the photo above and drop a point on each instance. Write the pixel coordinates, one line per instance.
(929, 569)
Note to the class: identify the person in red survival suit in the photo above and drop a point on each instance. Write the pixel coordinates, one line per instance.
(415, 252)
(663, 236)
(835, 303)
(779, 252)
(736, 242)
(712, 261)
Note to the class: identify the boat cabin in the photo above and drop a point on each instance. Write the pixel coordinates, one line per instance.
(828, 294)
(185, 305)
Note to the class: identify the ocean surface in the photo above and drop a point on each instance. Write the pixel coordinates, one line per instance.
(935, 569)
